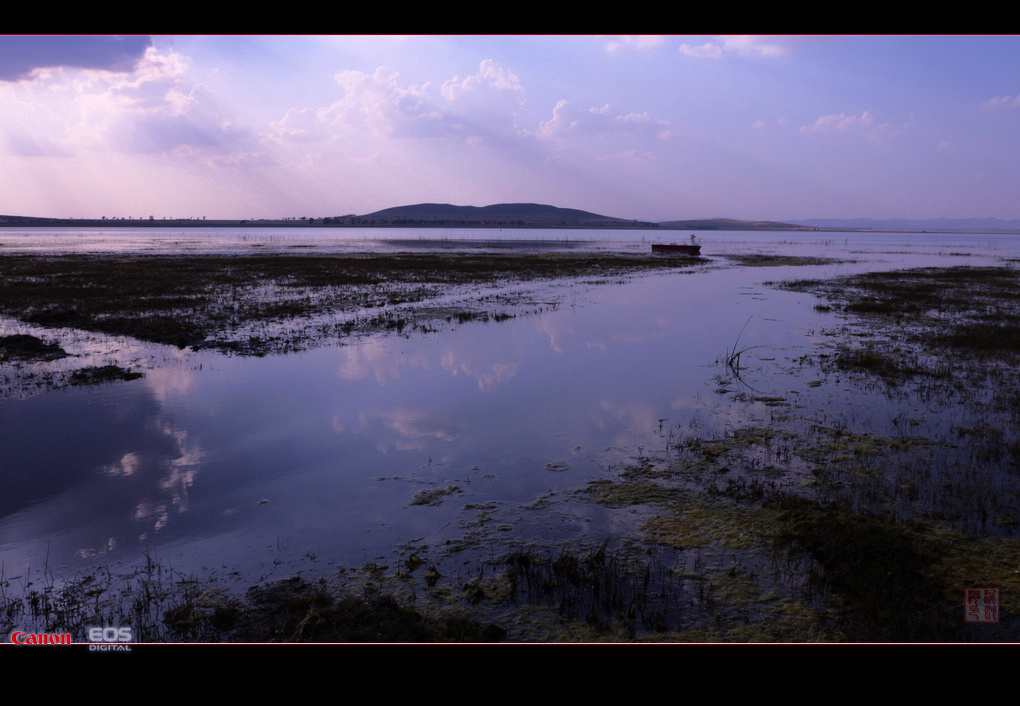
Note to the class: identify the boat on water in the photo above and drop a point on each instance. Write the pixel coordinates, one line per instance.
(691, 248)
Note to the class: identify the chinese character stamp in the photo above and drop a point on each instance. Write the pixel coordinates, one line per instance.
(981, 605)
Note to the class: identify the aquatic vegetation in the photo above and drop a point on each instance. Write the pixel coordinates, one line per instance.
(733, 355)
(897, 581)
(631, 493)
(970, 310)
(613, 592)
(102, 374)
(848, 489)
(161, 605)
(27, 347)
(777, 260)
(434, 496)
(298, 611)
(142, 599)
(199, 300)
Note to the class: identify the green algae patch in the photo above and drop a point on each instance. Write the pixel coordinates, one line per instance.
(701, 521)
(771, 400)
(640, 492)
(886, 580)
(970, 562)
(697, 451)
(734, 587)
(837, 446)
(781, 621)
(434, 496)
(678, 531)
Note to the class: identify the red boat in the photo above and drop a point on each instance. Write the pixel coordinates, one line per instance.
(691, 248)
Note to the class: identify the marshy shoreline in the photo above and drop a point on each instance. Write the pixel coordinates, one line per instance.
(200, 300)
(793, 526)
(253, 304)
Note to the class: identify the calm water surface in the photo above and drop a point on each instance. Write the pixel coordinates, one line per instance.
(261, 467)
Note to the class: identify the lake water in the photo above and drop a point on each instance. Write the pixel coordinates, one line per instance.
(255, 468)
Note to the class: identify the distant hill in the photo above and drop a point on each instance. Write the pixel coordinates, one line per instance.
(520, 215)
(730, 224)
(535, 215)
(947, 225)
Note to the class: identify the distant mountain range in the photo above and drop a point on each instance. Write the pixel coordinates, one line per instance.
(536, 215)
(949, 225)
(531, 215)
(509, 215)
(526, 215)
(731, 224)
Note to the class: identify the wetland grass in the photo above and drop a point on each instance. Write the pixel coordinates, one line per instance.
(609, 591)
(162, 606)
(203, 300)
(775, 260)
(98, 375)
(434, 496)
(902, 527)
(966, 310)
(801, 526)
(883, 575)
(295, 610)
(24, 347)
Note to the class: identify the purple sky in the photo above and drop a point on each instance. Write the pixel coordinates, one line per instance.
(658, 128)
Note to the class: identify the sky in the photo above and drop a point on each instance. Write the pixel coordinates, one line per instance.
(645, 127)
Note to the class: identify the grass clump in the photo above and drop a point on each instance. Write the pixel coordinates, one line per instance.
(884, 576)
(297, 611)
(870, 359)
(103, 374)
(775, 260)
(434, 496)
(614, 594)
(27, 347)
(702, 521)
(160, 605)
(617, 494)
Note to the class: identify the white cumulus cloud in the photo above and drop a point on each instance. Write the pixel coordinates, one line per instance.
(702, 51)
(636, 41)
(735, 45)
(569, 121)
(490, 79)
(840, 122)
(1002, 102)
